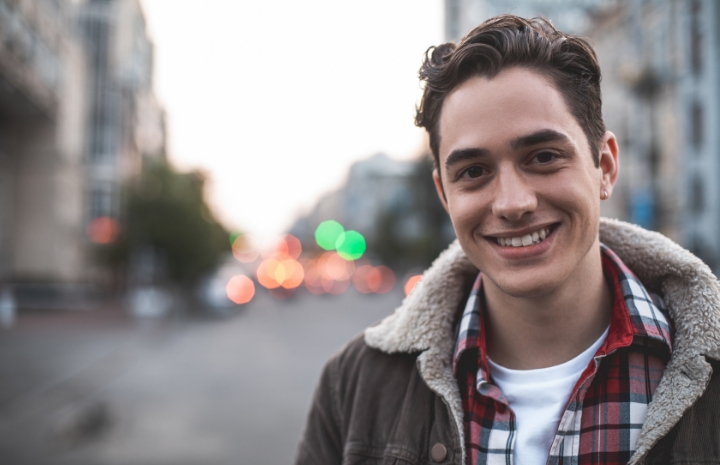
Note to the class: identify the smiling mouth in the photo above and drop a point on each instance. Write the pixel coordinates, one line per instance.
(526, 240)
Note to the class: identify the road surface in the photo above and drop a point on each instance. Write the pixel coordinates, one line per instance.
(96, 387)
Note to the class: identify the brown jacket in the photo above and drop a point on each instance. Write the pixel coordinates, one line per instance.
(389, 397)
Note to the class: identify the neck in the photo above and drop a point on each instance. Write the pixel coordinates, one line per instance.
(526, 333)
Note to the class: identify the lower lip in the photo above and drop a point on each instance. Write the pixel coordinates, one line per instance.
(530, 251)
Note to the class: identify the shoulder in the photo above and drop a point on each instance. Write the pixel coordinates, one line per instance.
(358, 364)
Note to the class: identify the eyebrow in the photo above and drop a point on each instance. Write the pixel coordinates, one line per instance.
(456, 156)
(539, 137)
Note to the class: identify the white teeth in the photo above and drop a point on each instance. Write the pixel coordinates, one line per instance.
(524, 241)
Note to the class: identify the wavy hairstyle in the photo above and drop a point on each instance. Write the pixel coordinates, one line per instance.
(506, 41)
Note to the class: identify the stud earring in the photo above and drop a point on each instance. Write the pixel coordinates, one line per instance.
(604, 195)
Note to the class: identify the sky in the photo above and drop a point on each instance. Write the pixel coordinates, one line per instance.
(276, 99)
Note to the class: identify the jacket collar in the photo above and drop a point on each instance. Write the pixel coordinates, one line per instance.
(425, 322)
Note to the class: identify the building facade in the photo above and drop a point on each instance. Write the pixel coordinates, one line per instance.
(77, 112)
(42, 139)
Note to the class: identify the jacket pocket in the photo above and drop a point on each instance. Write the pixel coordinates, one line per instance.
(363, 454)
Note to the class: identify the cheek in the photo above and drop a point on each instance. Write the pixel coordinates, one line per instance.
(577, 199)
(466, 212)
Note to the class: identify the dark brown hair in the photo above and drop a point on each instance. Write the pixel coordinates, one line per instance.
(506, 41)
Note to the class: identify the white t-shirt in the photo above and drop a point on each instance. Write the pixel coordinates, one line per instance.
(538, 398)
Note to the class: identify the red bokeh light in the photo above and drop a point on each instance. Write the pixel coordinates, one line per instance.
(338, 287)
(286, 245)
(374, 279)
(313, 280)
(103, 230)
(328, 274)
(240, 289)
(411, 283)
(360, 279)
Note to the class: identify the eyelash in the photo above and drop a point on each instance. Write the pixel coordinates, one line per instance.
(464, 172)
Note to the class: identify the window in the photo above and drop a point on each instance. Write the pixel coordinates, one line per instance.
(696, 125)
(697, 195)
(696, 38)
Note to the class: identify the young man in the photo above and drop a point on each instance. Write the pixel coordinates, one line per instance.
(544, 334)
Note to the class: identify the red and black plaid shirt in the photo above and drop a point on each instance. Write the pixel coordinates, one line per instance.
(605, 412)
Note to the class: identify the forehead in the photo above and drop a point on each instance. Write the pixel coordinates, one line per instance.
(489, 113)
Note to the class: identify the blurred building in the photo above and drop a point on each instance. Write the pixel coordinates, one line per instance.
(568, 15)
(393, 204)
(42, 140)
(373, 185)
(125, 121)
(660, 97)
(76, 112)
(661, 83)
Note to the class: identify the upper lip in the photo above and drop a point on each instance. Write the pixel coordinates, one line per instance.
(523, 231)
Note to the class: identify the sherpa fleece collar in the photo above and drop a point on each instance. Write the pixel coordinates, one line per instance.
(425, 322)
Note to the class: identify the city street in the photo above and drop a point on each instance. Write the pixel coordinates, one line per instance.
(95, 387)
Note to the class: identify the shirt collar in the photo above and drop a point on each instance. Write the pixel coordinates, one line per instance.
(637, 314)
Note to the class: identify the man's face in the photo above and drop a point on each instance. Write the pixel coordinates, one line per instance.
(519, 181)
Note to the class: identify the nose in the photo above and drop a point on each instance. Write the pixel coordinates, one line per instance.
(513, 196)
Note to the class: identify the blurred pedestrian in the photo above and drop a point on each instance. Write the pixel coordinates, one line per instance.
(545, 334)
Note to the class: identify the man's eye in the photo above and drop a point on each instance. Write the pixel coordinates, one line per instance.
(545, 157)
(474, 172)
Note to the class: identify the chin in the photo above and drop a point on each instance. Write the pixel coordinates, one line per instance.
(528, 284)
(527, 290)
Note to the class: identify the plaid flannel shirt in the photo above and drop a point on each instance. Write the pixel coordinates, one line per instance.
(605, 412)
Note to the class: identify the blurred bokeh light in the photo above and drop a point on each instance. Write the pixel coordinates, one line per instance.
(370, 279)
(327, 234)
(351, 245)
(411, 282)
(244, 247)
(103, 230)
(240, 289)
(285, 245)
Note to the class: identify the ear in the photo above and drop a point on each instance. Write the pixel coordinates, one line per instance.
(609, 162)
(439, 189)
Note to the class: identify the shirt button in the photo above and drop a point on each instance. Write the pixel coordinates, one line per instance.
(438, 452)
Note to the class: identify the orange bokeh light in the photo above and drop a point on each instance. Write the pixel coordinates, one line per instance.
(240, 289)
(280, 272)
(333, 267)
(411, 283)
(103, 230)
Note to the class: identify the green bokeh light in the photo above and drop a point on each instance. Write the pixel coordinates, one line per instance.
(327, 234)
(350, 245)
